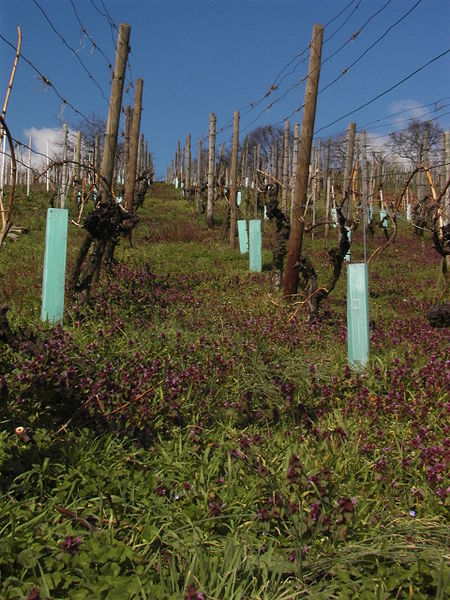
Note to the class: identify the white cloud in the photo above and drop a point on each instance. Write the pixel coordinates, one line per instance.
(407, 109)
(41, 140)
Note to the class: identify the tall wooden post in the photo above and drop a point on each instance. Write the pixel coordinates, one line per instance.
(364, 189)
(327, 212)
(29, 165)
(447, 177)
(256, 159)
(47, 172)
(275, 160)
(290, 283)
(64, 169)
(347, 182)
(128, 118)
(130, 178)
(178, 161)
(294, 165)
(233, 182)
(244, 160)
(285, 167)
(78, 157)
(199, 178)
(211, 169)
(97, 157)
(112, 125)
(188, 164)
(140, 164)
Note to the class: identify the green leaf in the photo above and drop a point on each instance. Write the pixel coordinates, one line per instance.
(28, 558)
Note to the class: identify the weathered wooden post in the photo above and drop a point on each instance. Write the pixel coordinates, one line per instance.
(327, 211)
(112, 125)
(29, 165)
(211, 169)
(364, 189)
(47, 171)
(447, 177)
(97, 159)
(63, 191)
(291, 277)
(130, 177)
(188, 165)
(198, 198)
(348, 170)
(128, 119)
(294, 165)
(78, 157)
(233, 178)
(285, 166)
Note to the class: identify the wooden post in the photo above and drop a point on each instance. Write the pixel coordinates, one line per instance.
(188, 165)
(244, 161)
(178, 161)
(347, 181)
(141, 162)
(294, 164)
(128, 118)
(64, 169)
(275, 159)
(112, 125)
(327, 212)
(364, 189)
(290, 283)
(130, 177)
(211, 169)
(29, 165)
(78, 157)
(257, 154)
(97, 159)
(233, 182)
(285, 167)
(446, 198)
(199, 178)
(319, 168)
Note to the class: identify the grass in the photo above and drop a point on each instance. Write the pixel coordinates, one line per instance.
(213, 447)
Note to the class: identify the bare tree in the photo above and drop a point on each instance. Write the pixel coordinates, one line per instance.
(409, 142)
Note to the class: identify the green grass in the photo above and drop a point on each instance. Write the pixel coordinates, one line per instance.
(213, 446)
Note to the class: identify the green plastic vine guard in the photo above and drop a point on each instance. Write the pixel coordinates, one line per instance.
(255, 245)
(54, 274)
(358, 315)
(243, 236)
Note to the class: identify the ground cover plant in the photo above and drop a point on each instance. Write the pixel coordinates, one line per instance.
(193, 436)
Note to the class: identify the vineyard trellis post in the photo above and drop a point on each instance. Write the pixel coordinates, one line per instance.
(285, 166)
(233, 182)
(364, 189)
(128, 118)
(447, 177)
(291, 277)
(104, 221)
(130, 175)
(63, 190)
(199, 178)
(112, 125)
(348, 171)
(30, 139)
(294, 164)
(187, 185)
(211, 169)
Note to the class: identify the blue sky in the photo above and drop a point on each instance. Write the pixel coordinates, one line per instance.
(202, 56)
